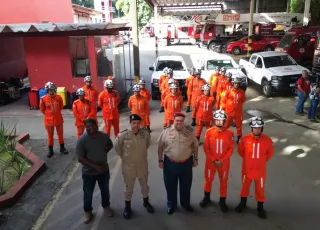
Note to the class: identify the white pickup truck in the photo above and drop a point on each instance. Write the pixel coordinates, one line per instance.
(180, 73)
(209, 63)
(274, 71)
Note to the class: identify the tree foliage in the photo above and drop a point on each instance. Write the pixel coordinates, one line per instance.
(297, 6)
(85, 3)
(144, 11)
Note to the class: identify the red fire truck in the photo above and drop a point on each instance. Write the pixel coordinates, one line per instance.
(299, 42)
(175, 33)
(195, 36)
(148, 29)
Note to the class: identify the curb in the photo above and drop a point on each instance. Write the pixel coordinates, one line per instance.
(16, 191)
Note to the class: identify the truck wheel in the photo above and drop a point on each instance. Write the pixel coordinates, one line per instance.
(266, 88)
(268, 48)
(223, 49)
(236, 50)
(211, 46)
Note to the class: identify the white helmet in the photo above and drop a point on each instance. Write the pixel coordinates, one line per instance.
(141, 82)
(87, 78)
(136, 88)
(219, 115)
(173, 86)
(50, 85)
(206, 87)
(108, 84)
(171, 81)
(256, 122)
(165, 70)
(80, 92)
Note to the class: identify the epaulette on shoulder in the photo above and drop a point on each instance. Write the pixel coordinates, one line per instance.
(189, 128)
(124, 130)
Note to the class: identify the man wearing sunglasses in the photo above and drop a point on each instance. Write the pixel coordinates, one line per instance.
(255, 149)
(218, 146)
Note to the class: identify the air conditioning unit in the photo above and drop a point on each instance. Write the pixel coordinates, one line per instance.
(81, 66)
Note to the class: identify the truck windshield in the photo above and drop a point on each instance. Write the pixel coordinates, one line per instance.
(286, 41)
(212, 64)
(276, 61)
(174, 65)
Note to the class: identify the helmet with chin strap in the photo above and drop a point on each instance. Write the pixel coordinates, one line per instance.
(80, 92)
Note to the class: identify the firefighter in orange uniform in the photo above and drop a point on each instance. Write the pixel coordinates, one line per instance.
(256, 149)
(146, 93)
(218, 147)
(82, 110)
(163, 78)
(188, 80)
(166, 88)
(214, 81)
(139, 105)
(108, 101)
(203, 110)
(91, 94)
(172, 103)
(228, 85)
(195, 89)
(51, 106)
(220, 87)
(232, 102)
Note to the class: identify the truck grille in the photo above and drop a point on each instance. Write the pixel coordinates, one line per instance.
(316, 64)
(291, 79)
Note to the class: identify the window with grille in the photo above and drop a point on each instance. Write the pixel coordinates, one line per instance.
(102, 6)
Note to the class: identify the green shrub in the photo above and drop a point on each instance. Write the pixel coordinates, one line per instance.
(12, 164)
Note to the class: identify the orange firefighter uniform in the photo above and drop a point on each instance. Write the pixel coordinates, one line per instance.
(161, 80)
(214, 82)
(109, 102)
(255, 153)
(189, 93)
(82, 110)
(139, 105)
(172, 104)
(232, 102)
(92, 96)
(146, 93)
(220, 88)
(166, 89)
(51, 107)
(203, 113)
(194, 88)
(218, 145)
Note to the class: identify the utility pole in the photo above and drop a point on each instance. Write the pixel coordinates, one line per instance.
(250, 28)
(156, 28)
(306, 14)
(135, 40)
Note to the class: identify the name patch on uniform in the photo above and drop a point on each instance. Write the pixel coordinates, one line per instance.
(171, 136)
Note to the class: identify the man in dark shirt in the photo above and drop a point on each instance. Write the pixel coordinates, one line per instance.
(302, 92)
(92, 151)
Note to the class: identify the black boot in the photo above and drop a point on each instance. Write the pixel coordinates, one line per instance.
(206, 200)
(223, 206)
(261, 212)
(242, 205)
(127, 210)
(238, 139)
(50, 151)
(148, 128)
(188, 109)
(193, 122)
(63, 149)
(161, 110)
(147, 205)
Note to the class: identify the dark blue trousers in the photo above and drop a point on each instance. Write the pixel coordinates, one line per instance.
(89, 182)
(174, 173)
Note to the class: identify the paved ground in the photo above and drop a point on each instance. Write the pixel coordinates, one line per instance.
(292, 190)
